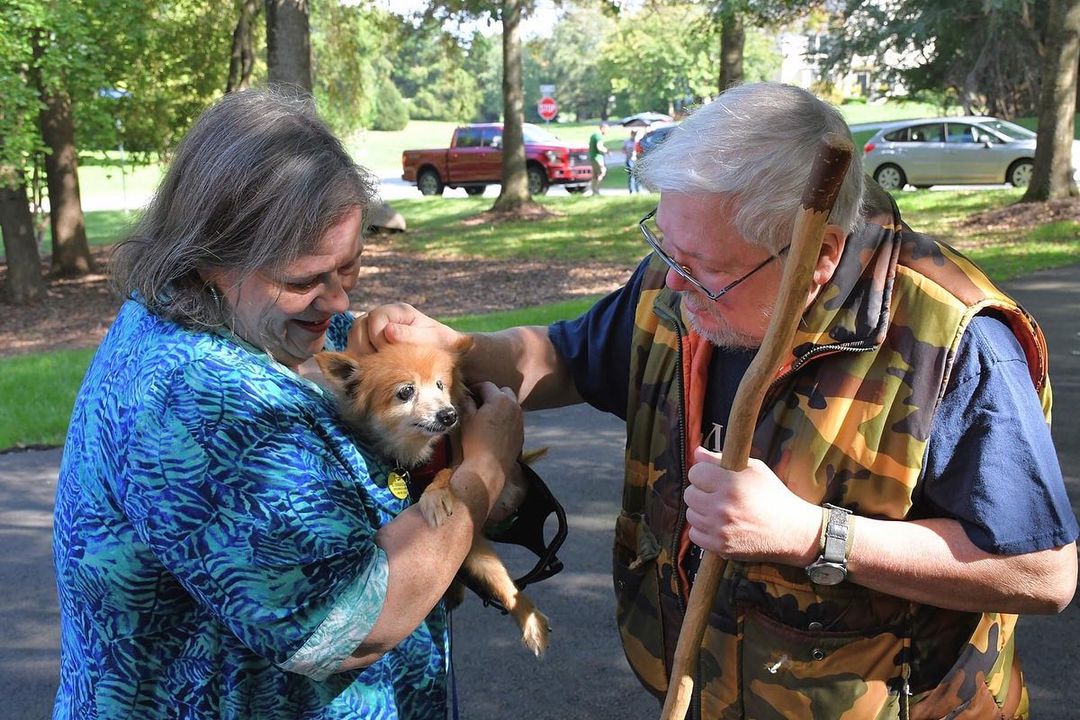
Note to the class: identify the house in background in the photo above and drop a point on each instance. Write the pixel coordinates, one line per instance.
(801, 51)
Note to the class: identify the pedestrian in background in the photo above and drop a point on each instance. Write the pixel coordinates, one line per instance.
(597, 154)
(630, 146)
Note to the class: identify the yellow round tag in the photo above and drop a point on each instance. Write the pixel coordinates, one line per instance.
(397, 485)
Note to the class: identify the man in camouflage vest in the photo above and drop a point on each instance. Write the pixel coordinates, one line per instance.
(903, 502)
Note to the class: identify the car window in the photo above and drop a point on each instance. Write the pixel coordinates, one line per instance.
(927, 133)
(1008, 129)
(656, 137)
(468, 137)
(492, 137)
(961, 133)
(539, 136)
(901, 135)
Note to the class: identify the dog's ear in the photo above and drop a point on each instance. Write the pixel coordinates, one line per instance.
(336, 367)
(463, 344)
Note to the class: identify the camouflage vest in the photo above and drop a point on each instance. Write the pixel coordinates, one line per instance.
(845, 422)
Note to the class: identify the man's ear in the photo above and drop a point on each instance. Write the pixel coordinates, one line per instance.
(832, 247)
(336, 367)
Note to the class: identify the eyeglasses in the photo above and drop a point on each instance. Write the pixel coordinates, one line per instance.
(682, 271)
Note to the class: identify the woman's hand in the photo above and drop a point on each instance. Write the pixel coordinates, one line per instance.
(749, 515)
(400, 323)
(492, 434)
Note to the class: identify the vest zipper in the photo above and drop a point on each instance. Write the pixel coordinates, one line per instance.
(695, 695)
(820, 350)
(694, 710)
(683, 482)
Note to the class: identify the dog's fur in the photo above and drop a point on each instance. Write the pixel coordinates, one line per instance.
(401, 400)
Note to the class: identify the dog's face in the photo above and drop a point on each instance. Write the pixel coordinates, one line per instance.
(401, 399)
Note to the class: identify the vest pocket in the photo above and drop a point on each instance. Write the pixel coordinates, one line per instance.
(788, 672)
(637, 594)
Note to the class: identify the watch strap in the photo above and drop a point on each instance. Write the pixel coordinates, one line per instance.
(836, 535)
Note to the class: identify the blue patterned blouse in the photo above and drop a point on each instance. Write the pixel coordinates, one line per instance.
(214, 542)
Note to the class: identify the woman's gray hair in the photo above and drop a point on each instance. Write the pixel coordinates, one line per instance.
(755, 143)
(255, 184)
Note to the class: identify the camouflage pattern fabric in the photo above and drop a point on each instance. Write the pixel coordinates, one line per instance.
(845, 422)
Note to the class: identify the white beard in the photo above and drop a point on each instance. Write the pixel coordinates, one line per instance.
(721, 334)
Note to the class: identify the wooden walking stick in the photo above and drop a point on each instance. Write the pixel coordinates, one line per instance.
(826, 176)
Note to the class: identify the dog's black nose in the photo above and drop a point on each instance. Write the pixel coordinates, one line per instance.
(447, 417)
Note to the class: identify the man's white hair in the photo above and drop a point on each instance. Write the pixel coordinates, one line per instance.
(756, 144)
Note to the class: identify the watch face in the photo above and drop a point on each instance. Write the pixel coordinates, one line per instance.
(826, 574)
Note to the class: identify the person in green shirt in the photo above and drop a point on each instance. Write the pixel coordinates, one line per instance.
(597, 153)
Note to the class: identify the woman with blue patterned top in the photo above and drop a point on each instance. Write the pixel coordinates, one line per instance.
(223, 546)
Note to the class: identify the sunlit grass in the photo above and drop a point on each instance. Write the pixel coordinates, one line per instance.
(103, 227)
(39, 392)
(1045, 247)
(584, 228)
(1004, 253)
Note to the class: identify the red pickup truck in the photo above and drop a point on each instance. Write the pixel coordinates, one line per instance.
(474, 160)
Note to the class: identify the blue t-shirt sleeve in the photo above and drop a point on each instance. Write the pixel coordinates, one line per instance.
(991, 462)
(596, 346)
(236, 494)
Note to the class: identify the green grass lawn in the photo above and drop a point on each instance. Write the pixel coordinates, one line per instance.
(587, 228)
(859, 113)
(38, 390)
(1003, 254)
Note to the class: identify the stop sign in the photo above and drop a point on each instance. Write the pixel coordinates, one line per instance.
(547, 108)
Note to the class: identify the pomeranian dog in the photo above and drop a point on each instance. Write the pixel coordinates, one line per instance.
(401, 401)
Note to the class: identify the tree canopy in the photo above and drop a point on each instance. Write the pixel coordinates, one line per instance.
(981, 54)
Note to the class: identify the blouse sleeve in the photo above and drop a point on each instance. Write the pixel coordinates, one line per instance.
(235, 488)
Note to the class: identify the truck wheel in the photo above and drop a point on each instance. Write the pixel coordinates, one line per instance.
(538, 184)
(575, 189)
(474, 190)
(429, 183)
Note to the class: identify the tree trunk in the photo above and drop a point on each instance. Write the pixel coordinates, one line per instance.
(288, 43)
(1052, 175)
(25, 283)
(242, 59)
(732, 39)
(515, 183)
(71, 252)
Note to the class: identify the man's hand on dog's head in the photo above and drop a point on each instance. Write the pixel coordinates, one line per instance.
(400, 323)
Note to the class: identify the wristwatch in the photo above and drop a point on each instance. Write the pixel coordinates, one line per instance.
(830, 568)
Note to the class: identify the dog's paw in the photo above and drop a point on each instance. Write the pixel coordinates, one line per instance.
(437, 505)
(535, 632)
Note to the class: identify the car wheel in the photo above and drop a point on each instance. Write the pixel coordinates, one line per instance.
(1019, 173)
(890, 177)
(575, 189)
(923, 187)
(474, 190)
(429, 183)
(538, 184)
